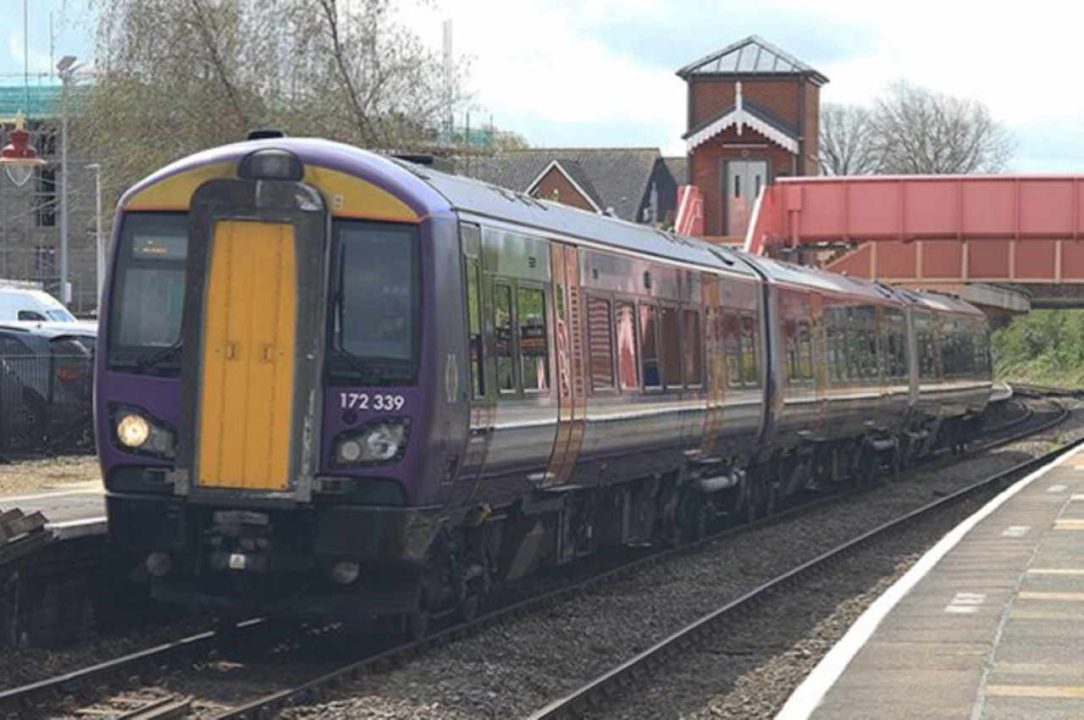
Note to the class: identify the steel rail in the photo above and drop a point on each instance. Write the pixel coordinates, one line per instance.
(315, 687)
(156, 654)
(400, 653)
(603, 686)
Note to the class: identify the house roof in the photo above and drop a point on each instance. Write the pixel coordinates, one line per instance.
(751, 56)
(576, 175)
(615, 177)
(678, 166)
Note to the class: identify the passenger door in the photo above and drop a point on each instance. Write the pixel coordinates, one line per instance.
(568, 345)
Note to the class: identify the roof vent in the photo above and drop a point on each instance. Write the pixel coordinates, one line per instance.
(264, 134)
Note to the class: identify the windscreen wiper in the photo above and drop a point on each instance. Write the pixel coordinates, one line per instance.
(166, 353)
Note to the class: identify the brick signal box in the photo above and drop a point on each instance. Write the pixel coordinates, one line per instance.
(753, 116)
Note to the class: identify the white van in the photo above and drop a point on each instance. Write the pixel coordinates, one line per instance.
(25, 304)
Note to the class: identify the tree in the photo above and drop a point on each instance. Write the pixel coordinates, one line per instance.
(846, 141)
(917, 131)
(177, 76)
(911, 130)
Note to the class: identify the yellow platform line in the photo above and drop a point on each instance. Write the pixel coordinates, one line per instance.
(1071, 692)
(1056, 596)
(1069, 524)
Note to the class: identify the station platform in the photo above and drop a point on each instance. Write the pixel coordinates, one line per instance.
(987, 625)
(68, 513)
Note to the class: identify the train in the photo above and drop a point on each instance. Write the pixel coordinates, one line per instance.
(335, 384)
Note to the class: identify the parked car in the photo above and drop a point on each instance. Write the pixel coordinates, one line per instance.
(46, 382)
(26, 304)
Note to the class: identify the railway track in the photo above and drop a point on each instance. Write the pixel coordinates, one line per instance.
(31, 696)
(620, 678)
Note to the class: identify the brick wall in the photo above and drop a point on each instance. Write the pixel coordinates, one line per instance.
(555, 181)
(706, 169)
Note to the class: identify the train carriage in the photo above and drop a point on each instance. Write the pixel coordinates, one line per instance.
(337, 384)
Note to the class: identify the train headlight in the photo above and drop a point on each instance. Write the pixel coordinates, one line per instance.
(140, 433)
(133, 430)
(378, 442)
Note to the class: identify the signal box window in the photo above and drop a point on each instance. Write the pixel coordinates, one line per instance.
(600, 344)
(534, 357)
(649, 348)
(671, 347)
(693, 347)
(502, 326)
(625, 325)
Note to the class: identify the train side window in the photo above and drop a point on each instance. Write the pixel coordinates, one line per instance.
(533, 350)
(790, 345)
(502, 326)
(836, 344)
(732, 349)
(474, 328)
(750, 356)
(627, 367)
(600, 343)
(805, 350)
(649, 348)
(671, 346)
(693, 348)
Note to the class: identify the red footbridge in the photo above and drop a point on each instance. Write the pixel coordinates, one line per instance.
(1020, 233)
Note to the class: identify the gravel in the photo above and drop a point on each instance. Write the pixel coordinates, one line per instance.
(514, 668)
(57, 473)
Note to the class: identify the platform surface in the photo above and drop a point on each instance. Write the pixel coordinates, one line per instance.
(994, 631)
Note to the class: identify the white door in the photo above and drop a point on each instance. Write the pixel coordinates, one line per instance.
(744, 179)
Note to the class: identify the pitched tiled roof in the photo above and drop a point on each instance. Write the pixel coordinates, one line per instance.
(753, 55)
(582, 180)
(618, 176)
(679, 168)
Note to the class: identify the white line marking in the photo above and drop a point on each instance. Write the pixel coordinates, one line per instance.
(1015, 531)
(6, 500)
(1077, 498)
(1055, 571)
(1056, 489)
(965, 603)
(807, 696)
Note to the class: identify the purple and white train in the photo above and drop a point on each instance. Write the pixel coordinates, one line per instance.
(333, 384)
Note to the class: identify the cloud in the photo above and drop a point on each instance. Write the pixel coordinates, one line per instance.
(603, 70)
(37, 62)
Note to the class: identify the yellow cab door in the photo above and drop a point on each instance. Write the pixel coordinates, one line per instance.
(249, 334)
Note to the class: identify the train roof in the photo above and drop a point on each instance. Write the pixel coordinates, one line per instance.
(787, 273)
(940, 302)
(430, 192)
(478, 198)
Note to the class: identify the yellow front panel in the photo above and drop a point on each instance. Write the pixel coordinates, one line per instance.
(249, 330)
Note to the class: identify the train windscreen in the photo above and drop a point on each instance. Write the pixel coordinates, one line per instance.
(148, 293)
(373, 338)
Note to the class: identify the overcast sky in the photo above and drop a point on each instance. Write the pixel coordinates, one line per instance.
(601, 72)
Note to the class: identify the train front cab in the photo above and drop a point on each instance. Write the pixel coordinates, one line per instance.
(251, 457)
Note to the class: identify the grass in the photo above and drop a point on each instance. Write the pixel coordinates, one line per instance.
(1044, 347)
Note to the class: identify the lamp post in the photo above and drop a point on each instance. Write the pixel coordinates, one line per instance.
(99, 248)
(66, 68)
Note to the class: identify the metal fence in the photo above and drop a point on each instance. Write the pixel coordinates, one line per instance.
(45, 404)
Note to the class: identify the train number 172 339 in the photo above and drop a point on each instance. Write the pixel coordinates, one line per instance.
(365, 401)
